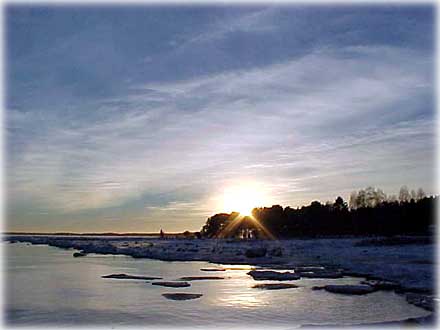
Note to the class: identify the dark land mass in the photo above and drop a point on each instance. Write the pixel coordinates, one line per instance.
(380, 218)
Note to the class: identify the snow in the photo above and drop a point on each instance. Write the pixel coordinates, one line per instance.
(409, 265)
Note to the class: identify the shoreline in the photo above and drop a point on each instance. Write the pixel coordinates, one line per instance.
(409, 264)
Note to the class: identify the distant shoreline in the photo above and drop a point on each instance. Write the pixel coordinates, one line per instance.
(91, 234)
(431, 238)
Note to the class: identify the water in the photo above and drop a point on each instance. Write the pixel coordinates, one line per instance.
(47, 286)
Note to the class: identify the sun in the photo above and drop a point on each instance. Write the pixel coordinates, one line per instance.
(243, 198)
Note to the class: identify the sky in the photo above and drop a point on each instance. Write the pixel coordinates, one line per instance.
(137, 118)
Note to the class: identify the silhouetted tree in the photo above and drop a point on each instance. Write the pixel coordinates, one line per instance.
(339, 204)
(215, 224)
(370, 213)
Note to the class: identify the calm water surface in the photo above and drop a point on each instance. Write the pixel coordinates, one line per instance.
(46, 285)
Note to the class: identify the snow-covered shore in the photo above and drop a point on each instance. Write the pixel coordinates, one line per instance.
(410, 262)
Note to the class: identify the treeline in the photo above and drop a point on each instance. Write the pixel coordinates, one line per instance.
(369, 212)
(370, 197)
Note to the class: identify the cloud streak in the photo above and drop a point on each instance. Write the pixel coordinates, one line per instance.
(160, 153)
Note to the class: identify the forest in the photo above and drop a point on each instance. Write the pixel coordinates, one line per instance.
(369, 212)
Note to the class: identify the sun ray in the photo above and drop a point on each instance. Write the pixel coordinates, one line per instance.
(238, 220)
(260, 226)
(230, 227)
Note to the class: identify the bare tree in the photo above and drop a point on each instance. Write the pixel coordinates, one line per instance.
(420, 194)
(373, 197)
(352, 202)
(361, 199)
(404, 195)
(380, 196)
(370, 197)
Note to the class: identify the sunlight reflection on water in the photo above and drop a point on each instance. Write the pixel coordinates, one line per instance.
(244, 300)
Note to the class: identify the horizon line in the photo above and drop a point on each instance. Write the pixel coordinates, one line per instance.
(95, 233)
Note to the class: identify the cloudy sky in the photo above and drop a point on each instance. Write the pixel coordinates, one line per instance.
(140, 118)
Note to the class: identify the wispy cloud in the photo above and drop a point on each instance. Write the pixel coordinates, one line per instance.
(309, 126)
(235, 116)
(257, 21)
